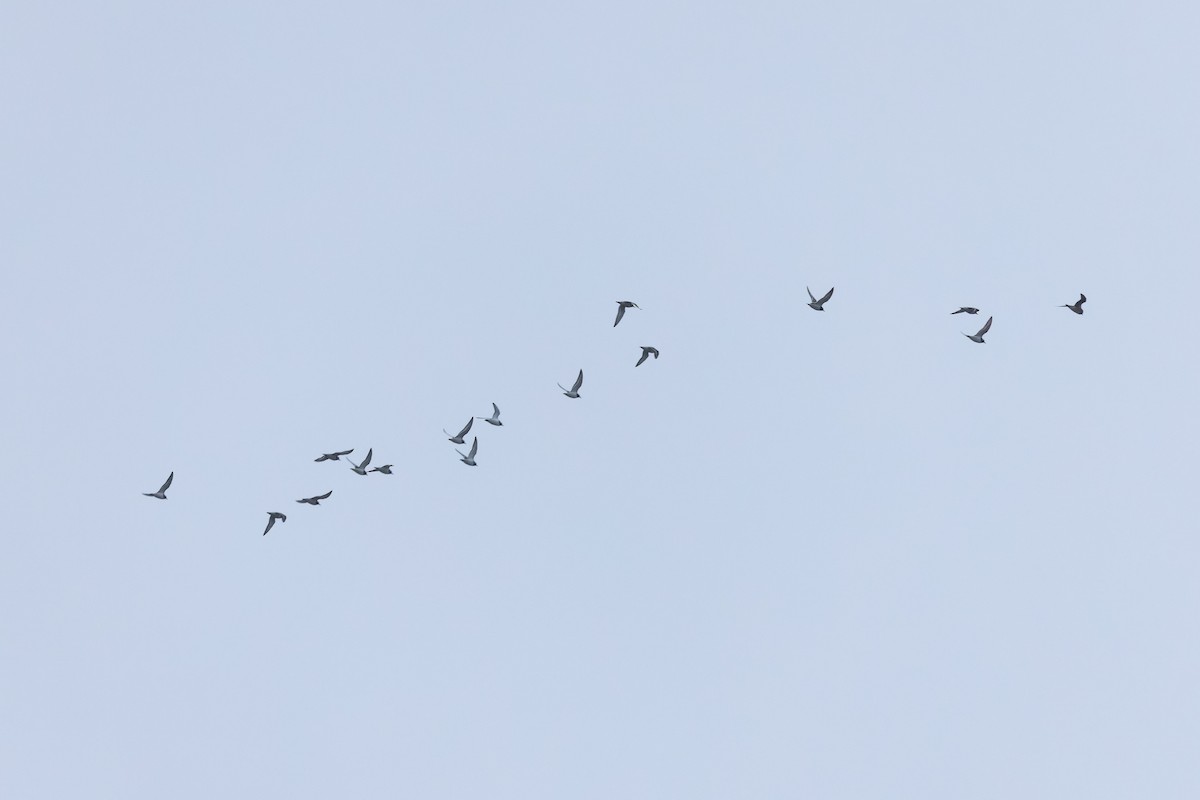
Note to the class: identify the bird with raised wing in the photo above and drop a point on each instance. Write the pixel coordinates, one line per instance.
(818, 305)
(469, 458)
(386, 469)
(621, 306)
(979, 336)
(161, 494)
(316, 501)
(646, 353)
(271, 517)
(574, 390)
(458, 438)
(965, 310)
(361, 469)
(334, 456)
(494, 419)
(1078, 307)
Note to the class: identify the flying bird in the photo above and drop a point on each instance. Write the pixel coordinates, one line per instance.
(334, 456)
(1078, 307)
(458, 439)
(965, 310)
(494, 419)
(316, 501)
(818, 305)
(574, 390)
(361, 469)
(161, 494)
(271, 517)
(979, 336)
(646, 353)
(386, 469)
(621, 306)
(469, 458)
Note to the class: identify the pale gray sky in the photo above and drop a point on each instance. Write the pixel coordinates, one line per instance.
(838, 555)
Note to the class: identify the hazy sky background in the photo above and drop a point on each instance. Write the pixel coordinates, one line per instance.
(838, 555)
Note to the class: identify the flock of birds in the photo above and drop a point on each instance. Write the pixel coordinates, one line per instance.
(468, 458)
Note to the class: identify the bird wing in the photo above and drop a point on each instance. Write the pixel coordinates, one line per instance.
(578, 382)
(270, 522)
(654, 350)
(620, 312)
(322, 458)
(167, 485)
(366, 460)
(645, 355)
(961, 310)
(1082, 299)
(324, 496)
(495, 411)
(344, 452)
(474, 447)
(810, 294)
(828, 295)
(986, 327)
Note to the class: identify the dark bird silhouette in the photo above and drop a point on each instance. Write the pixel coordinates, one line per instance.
(979, 336)
(161, 494)
(386, 469)
(1078, 307)
(818, 305)
(965, 310)
(271, 517)
(621, 306)
(494, 419)
(334, 456)
(316, 501)
(646, 353)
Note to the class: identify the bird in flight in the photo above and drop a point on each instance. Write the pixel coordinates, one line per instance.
(386, 469)
(621, 306)
(458, 439)
(574, 390)
(1078, 307)
(316, 501)
(818, 305)
(361, 469)
(646, 353)
(494, 419)
(271, 517)
(161, 494)
(334, 456)
(469, 458)
(965, 310)
(979, 336)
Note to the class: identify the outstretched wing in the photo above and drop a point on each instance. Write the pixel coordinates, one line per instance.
(324, 496)
(270, 523)
(344, 452)
(620, 312)
(645, 355)
(1082, 299)
(474, 447)
(495, 411)
(810, 294)
(167, 485)
(366, 460)
(578, 382)
(828, 295)
(987, 326)
(323, 458)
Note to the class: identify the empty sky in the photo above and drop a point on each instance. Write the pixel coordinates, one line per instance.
(846, 554)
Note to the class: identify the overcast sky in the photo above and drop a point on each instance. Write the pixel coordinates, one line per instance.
(847, 554)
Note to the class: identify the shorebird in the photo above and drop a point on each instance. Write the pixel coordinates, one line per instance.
(316, 501)
(1078, 307)
(818, 305)
(469, 458)
(271, 517)
(361, 469)
(335, 456)
(979, 336)
(386, 469)
(161, 494)
(965, 310)
(574, 390)
(621, 306)
(646, 353)
(458, 439)
(494, 419)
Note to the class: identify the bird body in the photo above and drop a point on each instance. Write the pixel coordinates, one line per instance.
(469, 458)
(1078, 307)
(161, 494)
(978, 337)
(386, 469)
(621, 306)
(271, 517)
(316, 501)
(965, 310)
(361, 469)
(646, 353)
(494, 419)
(818, 305)
(458, 439)
(334, 456)
(573, 392)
